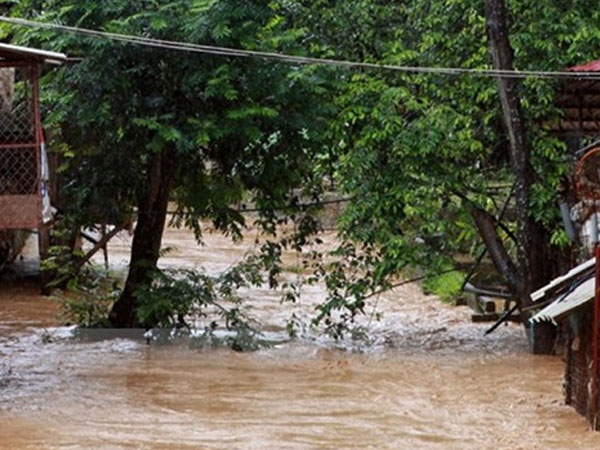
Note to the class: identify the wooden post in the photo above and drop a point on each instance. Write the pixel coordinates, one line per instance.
(44, 251)
(105, 247)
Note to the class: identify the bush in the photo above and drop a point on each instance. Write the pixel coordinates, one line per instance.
(447, 286)
(88, 301)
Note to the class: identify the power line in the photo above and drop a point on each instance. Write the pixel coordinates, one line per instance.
(229, 51)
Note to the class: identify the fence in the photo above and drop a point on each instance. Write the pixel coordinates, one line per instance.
(20, 197)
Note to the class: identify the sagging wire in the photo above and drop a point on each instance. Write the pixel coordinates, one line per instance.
(235, 52)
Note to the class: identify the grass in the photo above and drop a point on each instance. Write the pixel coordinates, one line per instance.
(447, 286)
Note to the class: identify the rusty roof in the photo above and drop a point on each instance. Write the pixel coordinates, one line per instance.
(592, 66)
(579, 101)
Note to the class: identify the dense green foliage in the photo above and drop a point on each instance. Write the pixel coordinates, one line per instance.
(413, 151)
(238, 130)
(234, 131)
(447, 286)
(417, 151)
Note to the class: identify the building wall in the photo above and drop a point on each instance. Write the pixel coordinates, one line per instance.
(578, 359)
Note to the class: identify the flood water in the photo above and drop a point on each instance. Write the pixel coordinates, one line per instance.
(428, 379)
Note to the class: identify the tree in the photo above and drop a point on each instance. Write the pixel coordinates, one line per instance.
(429, 158)
(150, 126)
(528, 233)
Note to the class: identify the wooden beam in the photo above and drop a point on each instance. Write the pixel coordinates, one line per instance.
(490, 293)
(100, 244)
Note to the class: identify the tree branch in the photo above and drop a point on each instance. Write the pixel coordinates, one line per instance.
(502, 56)
(500, 258)
(99, 244)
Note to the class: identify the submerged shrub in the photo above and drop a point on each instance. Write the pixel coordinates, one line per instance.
(203, 305)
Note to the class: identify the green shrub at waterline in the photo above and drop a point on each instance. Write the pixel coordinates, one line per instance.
(447, 286)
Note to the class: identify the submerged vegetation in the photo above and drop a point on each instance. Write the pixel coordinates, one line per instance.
(447, 286)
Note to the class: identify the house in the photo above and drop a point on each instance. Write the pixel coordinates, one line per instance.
(23, 168)
(569, 301)
(570, 305)
(24, 172)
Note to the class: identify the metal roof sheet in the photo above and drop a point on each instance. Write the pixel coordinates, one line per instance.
(16, 52)
(563, 280)
(567, 303)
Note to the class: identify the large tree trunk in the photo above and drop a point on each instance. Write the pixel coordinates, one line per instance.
(533, 250)
(147, 238)
(486, 226)
(541, 337)
(495, 11)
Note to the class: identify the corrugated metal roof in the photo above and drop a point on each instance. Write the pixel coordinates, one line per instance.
(16, 52)
(563, 280)
(567, 303)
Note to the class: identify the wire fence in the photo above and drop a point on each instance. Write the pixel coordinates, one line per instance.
(19, 175)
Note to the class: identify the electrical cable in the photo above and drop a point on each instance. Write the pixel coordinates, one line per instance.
(229, 51)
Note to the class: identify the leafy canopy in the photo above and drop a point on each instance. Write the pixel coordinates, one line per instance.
(244, 129)
(412, 150)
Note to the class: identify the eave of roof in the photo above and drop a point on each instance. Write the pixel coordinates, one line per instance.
(563, 280)
(566, 304)
(15, 53)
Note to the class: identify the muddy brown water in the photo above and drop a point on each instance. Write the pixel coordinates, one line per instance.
(427, 379)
